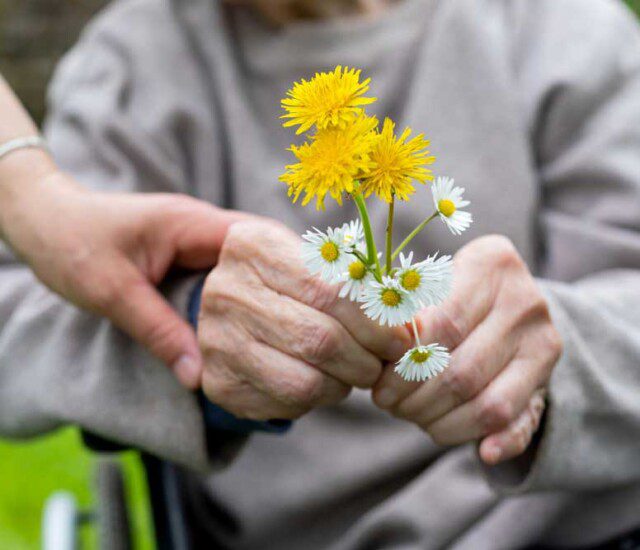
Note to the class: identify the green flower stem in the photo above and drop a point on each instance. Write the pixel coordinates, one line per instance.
(389, 243)
(372, 252)
(411, 235)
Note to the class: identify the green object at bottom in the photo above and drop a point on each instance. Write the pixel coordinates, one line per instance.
(31, 471)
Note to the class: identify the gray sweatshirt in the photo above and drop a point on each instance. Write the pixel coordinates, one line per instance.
(532, 105)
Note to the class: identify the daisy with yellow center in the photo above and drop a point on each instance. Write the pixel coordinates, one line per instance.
(427, 282)
(332, 162)
(449, 202)
(388, 303)
(346, 153)
(326, 254)
(355, 281)
(357, 276)
(423, 363)
(396, 163)
(328, 100)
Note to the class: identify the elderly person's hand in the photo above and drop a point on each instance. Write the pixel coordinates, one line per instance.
(276, 340)
(504, 348)
(106, 252)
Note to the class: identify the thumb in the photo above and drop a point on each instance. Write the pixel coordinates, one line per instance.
(141, 311)
(200, 230)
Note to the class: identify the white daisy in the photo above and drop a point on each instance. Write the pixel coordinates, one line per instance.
(429, 281)
(326, 253)
(356, 278)
(388, 302)
(448, 202)
(423, 362)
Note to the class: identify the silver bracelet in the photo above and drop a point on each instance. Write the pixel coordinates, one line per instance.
(22, 143)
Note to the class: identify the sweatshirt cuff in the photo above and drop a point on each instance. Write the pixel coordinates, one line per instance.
(215, 417)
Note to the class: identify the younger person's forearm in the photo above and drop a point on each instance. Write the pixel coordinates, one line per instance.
(14, 119)
(21, 169)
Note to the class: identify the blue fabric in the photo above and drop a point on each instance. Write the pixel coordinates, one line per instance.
(216, 417)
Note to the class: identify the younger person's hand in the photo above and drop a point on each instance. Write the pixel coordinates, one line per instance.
(504, 348)
(107, 252)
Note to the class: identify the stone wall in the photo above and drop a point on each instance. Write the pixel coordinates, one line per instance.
(35, 33)
(33, 36)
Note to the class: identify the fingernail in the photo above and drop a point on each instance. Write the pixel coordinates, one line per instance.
(386, 397)
(397, 349)
(187, 369)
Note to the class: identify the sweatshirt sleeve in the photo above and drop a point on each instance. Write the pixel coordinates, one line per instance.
(581, 82)
(59, 365)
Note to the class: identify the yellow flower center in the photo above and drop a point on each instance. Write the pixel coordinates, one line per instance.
(410, 280)
(329, 252)
(390, 297)
(419, 356)
(446, 207)
(357, 270)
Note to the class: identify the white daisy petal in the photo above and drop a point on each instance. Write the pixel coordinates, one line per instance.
(427, 282)
(423, 363)
(449, 202)
(352, 233)
(388, 303)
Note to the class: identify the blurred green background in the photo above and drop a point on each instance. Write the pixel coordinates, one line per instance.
(33, 35)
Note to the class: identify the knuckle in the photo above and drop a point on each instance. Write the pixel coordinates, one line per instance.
(461, 384)
(553, 342)
(527, 311)
(220, 390)
(503, 249)
(246, 236)
(305, 390)
(102, 296)
(318, 294)
(239, 242)
(538, 307)
(319, 343)
(495, 414)
(106, 292)
(219, 295)
(209, 341)
(448, 324)
(493, 246)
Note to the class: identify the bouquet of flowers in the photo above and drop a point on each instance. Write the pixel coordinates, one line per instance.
(348, 155)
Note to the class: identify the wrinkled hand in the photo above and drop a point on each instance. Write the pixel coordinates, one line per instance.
(276, 340)
(504, 348)
(106, 252)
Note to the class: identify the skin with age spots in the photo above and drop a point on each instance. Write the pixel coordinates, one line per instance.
(503, 350)
(504, 345)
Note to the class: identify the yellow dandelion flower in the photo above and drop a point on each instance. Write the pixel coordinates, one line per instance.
(397, 163)
(331, 162)
(328, 100)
